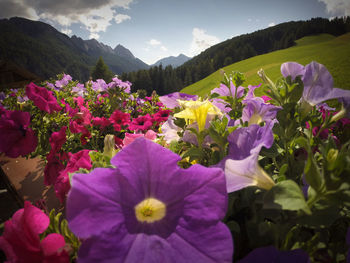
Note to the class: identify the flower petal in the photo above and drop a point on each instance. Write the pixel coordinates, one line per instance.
(93, 199)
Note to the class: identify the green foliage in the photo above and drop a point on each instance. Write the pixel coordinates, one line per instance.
(101, 71)
(60, 226)
(325, 49)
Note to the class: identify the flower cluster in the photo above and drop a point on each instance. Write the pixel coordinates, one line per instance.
(247, 174)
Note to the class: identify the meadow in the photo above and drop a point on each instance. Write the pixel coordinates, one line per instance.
(333, 52)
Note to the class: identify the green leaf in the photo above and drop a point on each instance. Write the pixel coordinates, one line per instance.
(313, 176)
(288, 195)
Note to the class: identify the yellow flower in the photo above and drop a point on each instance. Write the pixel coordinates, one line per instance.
(197, 111)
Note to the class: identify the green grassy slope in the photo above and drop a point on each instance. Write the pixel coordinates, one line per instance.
(333, 52)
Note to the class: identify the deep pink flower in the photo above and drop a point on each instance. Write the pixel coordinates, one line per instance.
(79, 101)
(80, 124)
(161, 115)
(71, 112)
(141, 123)
(118, 142)
(52, 169)
(265, 98)
(21, 241)
(16, 138)
(102, 122)
(76, 161)
(119, 119)
(2, 110)
(57, 139)
(42, 98)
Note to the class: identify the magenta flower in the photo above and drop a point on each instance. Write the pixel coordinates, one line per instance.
(52, 169)
(102, 122)
(141, 123)
(161, 115)
(42, 98)
(131, 213)
(57, 139)
(119, 119)
(21, 241)
(16, 138)
(170, 100)
(76, 161)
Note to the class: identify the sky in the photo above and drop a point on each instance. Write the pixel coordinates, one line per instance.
(153, 29)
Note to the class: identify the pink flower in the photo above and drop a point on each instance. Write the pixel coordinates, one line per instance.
(161, 115)
(57, 139)
(119, 119)
(16, 138)
(71, 112)
(81, 123)
(141, 123)
(102, 122)
(265, 98)
(130, 137)
(21, 241)
(42, 98)
(76, 161)
(52, 169)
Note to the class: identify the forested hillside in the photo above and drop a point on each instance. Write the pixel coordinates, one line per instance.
(168, 79)
(41, 49)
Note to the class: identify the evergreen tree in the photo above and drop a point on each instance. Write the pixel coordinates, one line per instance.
(101, 71)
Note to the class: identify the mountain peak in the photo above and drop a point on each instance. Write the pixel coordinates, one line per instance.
(123, 52)
(172, 60)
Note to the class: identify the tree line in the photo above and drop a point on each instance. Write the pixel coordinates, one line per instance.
(167, 79)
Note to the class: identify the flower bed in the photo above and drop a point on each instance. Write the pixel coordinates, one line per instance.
(177, 178)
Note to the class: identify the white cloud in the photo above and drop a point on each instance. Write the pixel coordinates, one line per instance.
(201, 41)
(163, 48)
(337, 7)
(94, 15)
(250, 20)
(94, 35)
(271, 24)
(66, 31)
(121, 17)
(154, 42)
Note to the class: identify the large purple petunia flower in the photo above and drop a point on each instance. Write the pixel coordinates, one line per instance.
(170, 100)
(149, 209)
(318, 85)
(271, 255)
(318, 82)
(16, 138)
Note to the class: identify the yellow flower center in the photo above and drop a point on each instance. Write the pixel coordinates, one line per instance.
(150, 210)
(255, 119)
